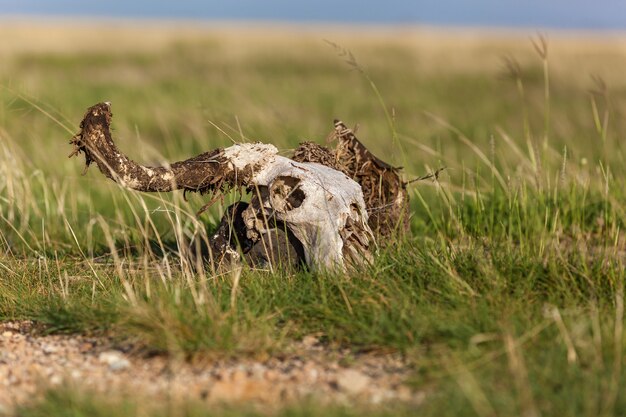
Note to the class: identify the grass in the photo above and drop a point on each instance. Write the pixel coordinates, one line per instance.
(507, 299)
(67, 403)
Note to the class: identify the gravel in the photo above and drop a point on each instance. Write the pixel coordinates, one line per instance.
(29, 363)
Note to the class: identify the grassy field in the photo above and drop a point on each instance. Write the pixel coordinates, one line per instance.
(508, 297)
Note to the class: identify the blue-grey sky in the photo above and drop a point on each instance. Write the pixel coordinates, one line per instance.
(586, 14)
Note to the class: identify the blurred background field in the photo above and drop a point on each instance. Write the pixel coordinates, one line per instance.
(507, 299)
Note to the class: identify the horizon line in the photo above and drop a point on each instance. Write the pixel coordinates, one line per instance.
(201, 23)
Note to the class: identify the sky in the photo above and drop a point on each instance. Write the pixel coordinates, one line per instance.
(566, 14)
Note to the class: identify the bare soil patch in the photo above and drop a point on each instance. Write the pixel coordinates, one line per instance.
(31, 362)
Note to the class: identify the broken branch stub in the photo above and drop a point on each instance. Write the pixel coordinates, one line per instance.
(320, 207)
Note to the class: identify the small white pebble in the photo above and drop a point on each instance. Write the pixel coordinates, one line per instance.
(114, 359)
(48, 348)
(352, 381)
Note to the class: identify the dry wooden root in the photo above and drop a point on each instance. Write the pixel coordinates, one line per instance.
(385, 193)
(316, 211)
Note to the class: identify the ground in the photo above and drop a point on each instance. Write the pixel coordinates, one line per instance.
(307, 370)
(505, 299)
